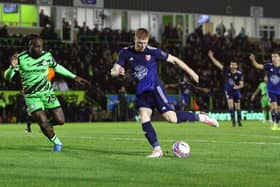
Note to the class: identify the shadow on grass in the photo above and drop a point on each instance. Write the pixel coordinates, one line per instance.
(25, 148)
(74, 150)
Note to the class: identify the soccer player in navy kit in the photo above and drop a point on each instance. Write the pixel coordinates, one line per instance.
(273, 83)
(185, 91)
(186, 88)
(150, 93)
(233, 83)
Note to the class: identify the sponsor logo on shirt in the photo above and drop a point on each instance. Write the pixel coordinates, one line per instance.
(147, 57)
(274, 79)
(140, 72)
(231, 82)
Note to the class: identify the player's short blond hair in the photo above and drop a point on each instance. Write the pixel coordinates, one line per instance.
(142, 33)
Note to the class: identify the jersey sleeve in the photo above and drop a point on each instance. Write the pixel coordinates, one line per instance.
(60, 69)
(260, 86)
(267, 66)
(63, 71)
(121, 58)
(9, 73)
(161, 55)
(225, 70)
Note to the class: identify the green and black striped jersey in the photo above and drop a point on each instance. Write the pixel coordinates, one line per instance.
(34, 72)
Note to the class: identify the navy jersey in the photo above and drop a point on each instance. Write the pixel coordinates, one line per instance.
(232, 79)
(144, 66)
(273, 74)
(185, 88)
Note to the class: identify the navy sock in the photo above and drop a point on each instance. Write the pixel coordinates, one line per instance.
(150, 133)
(186, 116)
(232, 116)
(277, 117)
(238, 116)
(274, 116)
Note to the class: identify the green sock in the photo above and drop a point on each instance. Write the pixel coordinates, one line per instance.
(55, 140)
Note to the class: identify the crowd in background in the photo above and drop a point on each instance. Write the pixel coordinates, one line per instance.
(95, 51)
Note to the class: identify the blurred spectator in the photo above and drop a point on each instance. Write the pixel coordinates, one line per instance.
(48, 32)
(242, 33)
(76, 24)
(231, 31)
(60, 84)
(66, 29)
(42, 18)
(123, 104)
(220, 29)
(4, 31)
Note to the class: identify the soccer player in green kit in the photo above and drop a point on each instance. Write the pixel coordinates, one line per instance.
(264, 99)
(32, 66)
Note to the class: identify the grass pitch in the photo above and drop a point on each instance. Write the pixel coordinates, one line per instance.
(114, 154)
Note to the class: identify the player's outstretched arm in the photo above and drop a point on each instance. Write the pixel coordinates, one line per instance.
(254, 94)
(65, 72)
(170, 86)
(174, 60)
(204, 90)
(117, 70)
(11, 71)
(255, 63)
(214, 60)
(81, 80)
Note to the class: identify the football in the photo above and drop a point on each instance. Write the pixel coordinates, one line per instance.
(181, 149)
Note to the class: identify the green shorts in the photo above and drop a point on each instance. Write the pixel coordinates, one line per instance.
(265, 102)
(44, 100)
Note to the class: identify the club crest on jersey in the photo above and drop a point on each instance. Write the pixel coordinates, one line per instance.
(147, 57)
(41, 63)
(44, 62)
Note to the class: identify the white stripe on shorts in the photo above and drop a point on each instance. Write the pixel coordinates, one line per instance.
(161, 94)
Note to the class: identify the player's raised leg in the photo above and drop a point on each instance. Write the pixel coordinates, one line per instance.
(183, 116)
(57, 116)
(179, 116)
(41, 117)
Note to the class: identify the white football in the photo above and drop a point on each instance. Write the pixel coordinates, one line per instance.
(181, 149)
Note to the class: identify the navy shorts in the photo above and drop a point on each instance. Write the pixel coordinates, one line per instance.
(274, 98)
(154, 99)
(236, 96)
